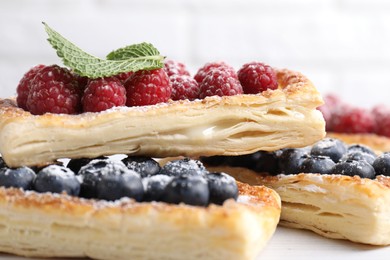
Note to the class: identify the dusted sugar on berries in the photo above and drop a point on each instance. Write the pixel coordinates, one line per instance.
(102, 94)
(148, 87)
(172, 68)
(203, 71)
(54, 90)
(256, 77)
(219, 83)
(184, 87)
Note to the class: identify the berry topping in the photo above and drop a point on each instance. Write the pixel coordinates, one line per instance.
(357, 155)
(184, 166)
(256, 77)
(352, 168)
(102, 94)
(330, 147)
(184, 87)
(24, 86)
(172, 67)
(145, 166)
(57, 179)
(202, 72)
(220, 83)
(2, 163)
(354, 120)
(76, 164)
(290, 160)
(317, 164)
(154, 186)
(190, 189)
(82, 81)
(381, 115)
(54, 90)
(222, 187)
(93, 172)
(114, 187)
(382, 164)
(18, 178)
(361, 148)
(124, 76)
(148, 87)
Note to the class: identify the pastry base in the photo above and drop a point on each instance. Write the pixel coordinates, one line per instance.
(48, 225)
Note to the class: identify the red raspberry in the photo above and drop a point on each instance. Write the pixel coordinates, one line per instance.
(333, 108)
(354, 120)
(220, 83)
(184, 87)
(256, 77)
(24, 86)
(148, 87)
(102, 94)
(82, 81)
(124, 76)
(381, 115)
(54, 90)
(202, 72)
(175, 68)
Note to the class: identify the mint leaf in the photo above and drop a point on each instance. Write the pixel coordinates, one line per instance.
(135, 57)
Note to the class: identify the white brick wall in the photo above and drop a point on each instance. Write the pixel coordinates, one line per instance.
(342, 46)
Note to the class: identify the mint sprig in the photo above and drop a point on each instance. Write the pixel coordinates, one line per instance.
(143, 56)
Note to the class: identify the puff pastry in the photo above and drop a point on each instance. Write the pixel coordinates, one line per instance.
(334, 206)
(378, 143)
(48, 225)
(230, 125)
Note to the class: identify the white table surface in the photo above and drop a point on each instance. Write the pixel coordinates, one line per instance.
(293, 244)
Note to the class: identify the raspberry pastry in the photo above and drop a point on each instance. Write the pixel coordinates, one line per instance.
(336, 190)
(228, 125)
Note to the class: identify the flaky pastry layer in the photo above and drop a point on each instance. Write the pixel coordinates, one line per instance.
(47, 225)
(334, 206)
(230, 125)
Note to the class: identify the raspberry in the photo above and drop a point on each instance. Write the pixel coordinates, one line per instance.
(148, 87)
(256, 77)
(354, 120)
(54, 90)
(202, 72)
(172, 67)
(25, 84)
(102, 94)
(82, 81)
(381, 115)
(184, 87)
(124, 76)
(333, 108)
(220, 83)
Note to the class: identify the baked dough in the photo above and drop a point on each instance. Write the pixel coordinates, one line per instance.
(48, 225)
(334, 206)
(230, 125)
(378, 143)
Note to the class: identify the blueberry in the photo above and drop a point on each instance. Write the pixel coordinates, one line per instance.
(2, 163)
(290, 160)
(382, 164)
(18, 178)
(222, 187)
(352, 168)
(114, 186)
(76, 164)
(154, 186)
(333, 148)
(214, 160)
(57, 179)
(183, 166)
(362, 148)
(245, 160)
(145, 166)
(92, 173)
(265, 162)
(357, 155)
(317, 164)
(189, 189)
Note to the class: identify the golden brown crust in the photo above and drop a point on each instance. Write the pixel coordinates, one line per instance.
(48, 225)
(376, 142)
(334, 206)
(230, 125)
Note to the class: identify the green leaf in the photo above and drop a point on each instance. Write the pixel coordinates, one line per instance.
(135, 57)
